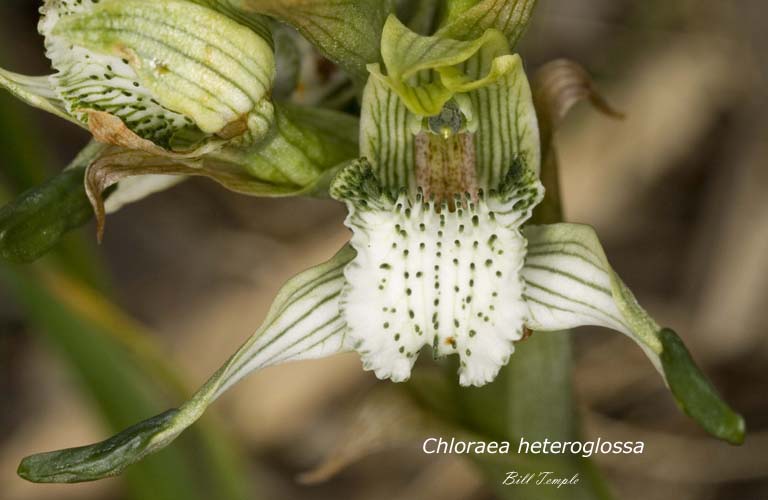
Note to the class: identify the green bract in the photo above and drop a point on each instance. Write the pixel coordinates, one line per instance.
(440, 255)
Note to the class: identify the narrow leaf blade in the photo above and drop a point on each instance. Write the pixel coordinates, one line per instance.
(36, 220)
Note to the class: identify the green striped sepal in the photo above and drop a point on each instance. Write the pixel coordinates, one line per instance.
(426, 77)
(243, 14)
(303, 323)
(347, 32)
(468, 19)
(169, 77)
(429, 275)
(569, 283)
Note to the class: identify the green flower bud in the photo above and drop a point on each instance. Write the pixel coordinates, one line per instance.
(176, 73)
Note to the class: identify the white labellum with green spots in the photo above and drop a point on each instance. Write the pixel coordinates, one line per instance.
(429, 275)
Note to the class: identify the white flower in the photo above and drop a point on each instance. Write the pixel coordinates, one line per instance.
(169, 77)
(439, 255)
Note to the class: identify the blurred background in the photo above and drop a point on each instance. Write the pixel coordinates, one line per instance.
(678, 192)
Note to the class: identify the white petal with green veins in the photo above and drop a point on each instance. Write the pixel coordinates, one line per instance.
(386, 138)
(507, 127)
(569, 283)
(36, 91)
(427, 275)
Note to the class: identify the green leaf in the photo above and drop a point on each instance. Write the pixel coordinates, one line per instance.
(345, 31)
(126, 376)
(303, 323)
(570, 283)
(468, 19)
(37, 219)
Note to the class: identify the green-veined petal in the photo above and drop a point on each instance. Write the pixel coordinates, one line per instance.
(507, 127)
(386, 136)
(36, 91)
(303, 323)
(570, 283)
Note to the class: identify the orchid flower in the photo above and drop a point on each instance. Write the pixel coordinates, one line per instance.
(153, 93)
(440, 253)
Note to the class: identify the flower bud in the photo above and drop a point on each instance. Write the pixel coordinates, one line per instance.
(175, 73)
